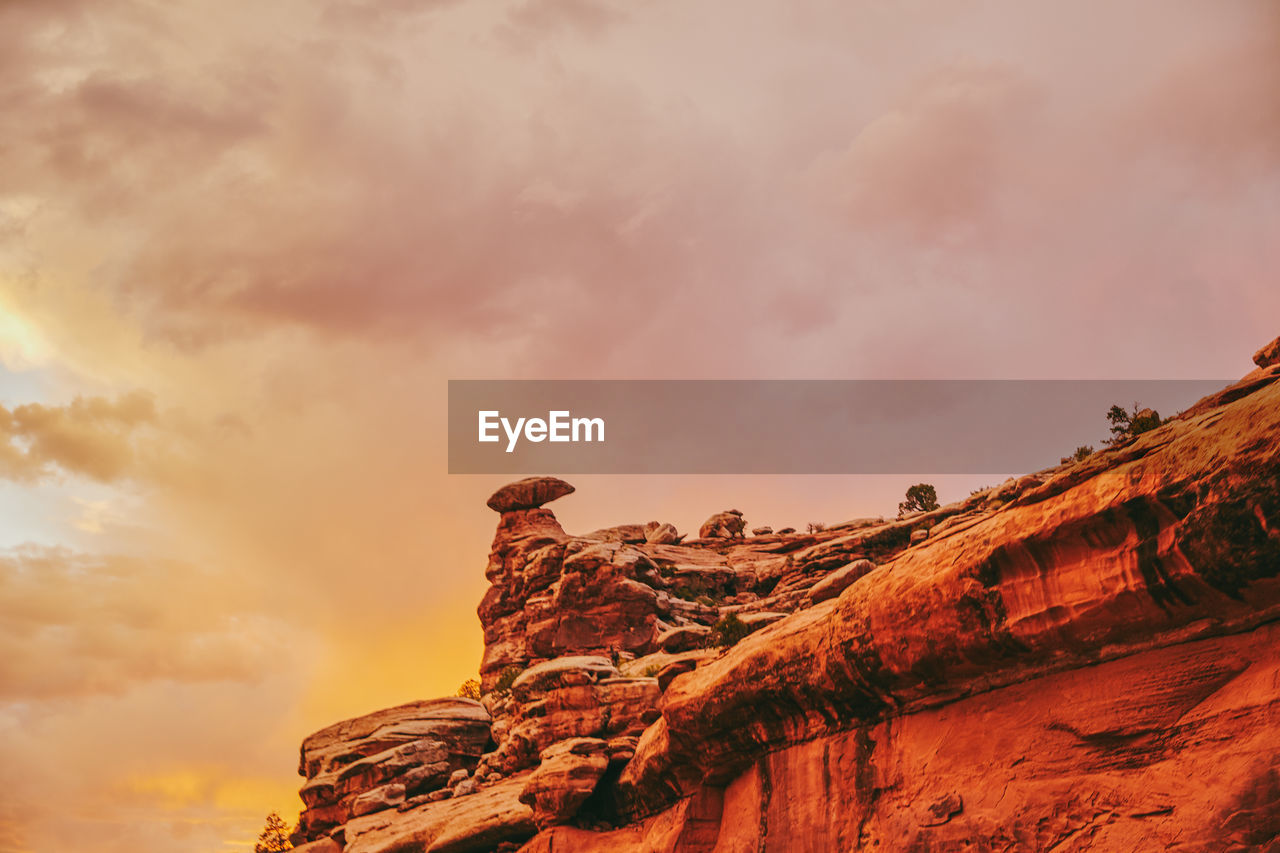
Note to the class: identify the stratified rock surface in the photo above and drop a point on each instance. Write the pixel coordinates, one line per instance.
(378, 761)
(1085, 658)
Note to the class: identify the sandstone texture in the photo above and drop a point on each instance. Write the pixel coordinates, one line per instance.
(1084, 658)
(529, 493)
(378, 761)
(1269, 355)
(726, 525)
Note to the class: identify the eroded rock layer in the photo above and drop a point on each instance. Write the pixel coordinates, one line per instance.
(1086, 658)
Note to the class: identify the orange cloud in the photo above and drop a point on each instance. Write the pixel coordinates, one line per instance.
(76, 625)
(91, 436)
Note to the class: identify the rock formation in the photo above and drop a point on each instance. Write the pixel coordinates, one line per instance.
(1268, 356)
(1080, 659)
(385, 759)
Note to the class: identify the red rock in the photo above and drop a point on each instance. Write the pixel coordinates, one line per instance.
(567, 774)
(725, 525)
(376, 761)
(1083, 659)
(1269, 355)
(529, 493)
(1170, 544)
(839, 580)
(471, 824)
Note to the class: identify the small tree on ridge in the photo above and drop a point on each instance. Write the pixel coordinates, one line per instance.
(921, 497)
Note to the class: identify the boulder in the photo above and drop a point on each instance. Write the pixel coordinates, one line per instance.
(566, 775)
(538, 680)
(723, 525)
(839, 580)
(663, 534)
(761, 531)
(529, 493)
(384, 797)
(683, 638)
(1269, 355)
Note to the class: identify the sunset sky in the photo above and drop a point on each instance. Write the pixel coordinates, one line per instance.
(244, 246)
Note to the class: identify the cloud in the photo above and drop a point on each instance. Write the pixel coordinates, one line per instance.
(936, 160)
(77, 625)
(531, 21)
(91, 436)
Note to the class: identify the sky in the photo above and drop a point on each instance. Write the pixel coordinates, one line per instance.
(243, 247)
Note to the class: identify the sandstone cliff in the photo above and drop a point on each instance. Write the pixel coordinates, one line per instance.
(1082, 659)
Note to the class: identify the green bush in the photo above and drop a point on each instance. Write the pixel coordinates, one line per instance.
(1128, 425)
(651, 671)
(1082, 452)
(506, 678)
(727, 631)
(469, 689)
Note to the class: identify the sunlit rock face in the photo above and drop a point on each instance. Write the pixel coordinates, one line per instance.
(1084, 658)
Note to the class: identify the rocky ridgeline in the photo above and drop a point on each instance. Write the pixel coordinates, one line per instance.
(1083, 658)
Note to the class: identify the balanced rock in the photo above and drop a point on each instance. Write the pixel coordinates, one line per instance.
(1268, 355)
(529, 493)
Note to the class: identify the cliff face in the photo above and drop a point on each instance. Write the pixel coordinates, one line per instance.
(1086, 658)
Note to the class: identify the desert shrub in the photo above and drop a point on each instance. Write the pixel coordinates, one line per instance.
(691, 590)
(921, 497)
(506, 678)
(651, 671)
(469, 689)
(1128, 425)
(817, 527)
(727, 631)
(1083, 452)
